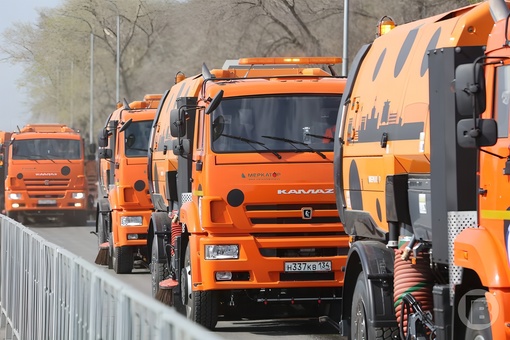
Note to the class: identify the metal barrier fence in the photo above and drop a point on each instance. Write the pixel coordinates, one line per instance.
(49, 293)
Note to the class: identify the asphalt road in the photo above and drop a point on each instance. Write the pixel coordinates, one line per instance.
(81, 242)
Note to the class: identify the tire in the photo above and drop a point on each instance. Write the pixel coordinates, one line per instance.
(481, 319)
(110, 250)
(159, 267)
(201, 306)
(123, 260)
(76, 218)
(102, 228)
(360, 328)
(13, 215)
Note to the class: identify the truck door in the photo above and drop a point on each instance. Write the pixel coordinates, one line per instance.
(495, 166)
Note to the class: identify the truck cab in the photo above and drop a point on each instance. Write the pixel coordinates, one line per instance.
(124, 206)
(45, 175)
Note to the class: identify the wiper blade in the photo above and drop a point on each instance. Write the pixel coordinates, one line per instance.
(292, 142)
(320, 136)
(251, 142)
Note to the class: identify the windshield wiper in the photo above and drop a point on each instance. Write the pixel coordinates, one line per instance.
(320, 136)
(292, 142)
(251, 142)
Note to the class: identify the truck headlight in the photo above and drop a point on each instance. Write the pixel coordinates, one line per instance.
(78, 195)
(221, 251)
(15, 196)
(131, 220)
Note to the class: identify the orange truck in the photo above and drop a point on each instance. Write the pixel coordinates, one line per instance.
(245, 220)
(124, 207)
(45, 175)
(422, 166)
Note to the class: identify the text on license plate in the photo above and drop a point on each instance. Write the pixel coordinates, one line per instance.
(315, 266)
(47, 202)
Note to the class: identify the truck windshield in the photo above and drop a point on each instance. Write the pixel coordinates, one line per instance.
(136, 138)
(308, 120)
(47, 148)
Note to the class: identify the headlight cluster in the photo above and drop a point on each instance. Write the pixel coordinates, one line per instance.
(131, 221)
(221, 251)
(78, 195)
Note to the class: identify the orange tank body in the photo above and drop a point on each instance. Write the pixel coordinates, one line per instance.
(421, 170)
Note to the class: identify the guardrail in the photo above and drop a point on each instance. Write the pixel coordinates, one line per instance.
(49, 293)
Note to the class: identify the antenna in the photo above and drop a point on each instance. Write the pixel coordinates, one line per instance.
(205, 72)
(126, 105)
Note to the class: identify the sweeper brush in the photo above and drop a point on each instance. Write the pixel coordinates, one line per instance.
(102, 255)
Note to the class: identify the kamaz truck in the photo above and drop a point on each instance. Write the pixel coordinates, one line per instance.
(45, 181)
(124, 206)
(245, 221)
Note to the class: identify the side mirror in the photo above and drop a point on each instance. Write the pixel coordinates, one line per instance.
(485, 133)
(214, 102)
(102, 141)
(177, 147)
(186, 146)
(217, 127)
(177, 124)
(126, 125)
(470, 94)
(105, 153)
(181, 147)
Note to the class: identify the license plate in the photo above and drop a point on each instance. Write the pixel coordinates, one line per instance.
(47, 202)
(315, 266)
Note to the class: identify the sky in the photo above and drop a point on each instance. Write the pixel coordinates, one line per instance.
(13, 109)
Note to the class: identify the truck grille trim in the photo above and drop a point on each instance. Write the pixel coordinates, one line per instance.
(38, 183)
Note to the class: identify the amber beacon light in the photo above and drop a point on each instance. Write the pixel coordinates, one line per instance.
(385, 25)
(291, 60)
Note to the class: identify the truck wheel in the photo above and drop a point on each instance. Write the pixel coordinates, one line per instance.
(159, 267)
(123, 260)
(102, 228)
(360, 329)
(201, 306)
(110, 250)
(480, 319)
(13, 215)
(75, 218)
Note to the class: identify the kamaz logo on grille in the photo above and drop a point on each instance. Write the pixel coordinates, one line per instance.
(305, 192)
(306, 213)
(46, 174)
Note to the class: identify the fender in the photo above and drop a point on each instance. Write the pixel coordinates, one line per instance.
(188, 215)
(477, 249)
(103, 208)
(376, 261)
(113, 198)
(159, 222)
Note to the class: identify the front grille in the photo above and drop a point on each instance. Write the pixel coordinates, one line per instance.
(279, 207)
(43, 196)
(292, 213)
(303, 252)
(294, 220)
(53, 183)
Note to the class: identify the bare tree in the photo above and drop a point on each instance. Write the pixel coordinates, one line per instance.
(158, 38)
